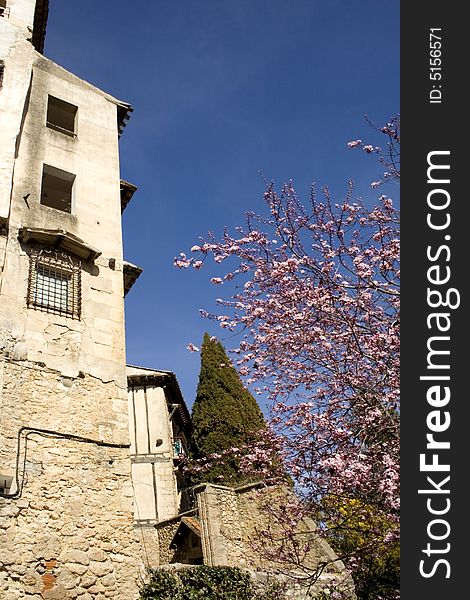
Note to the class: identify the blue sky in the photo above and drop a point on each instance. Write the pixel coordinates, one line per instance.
(223, 89)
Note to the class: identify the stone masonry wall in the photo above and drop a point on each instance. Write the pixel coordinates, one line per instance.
(166, 533)
(233, 522)
(70, 534)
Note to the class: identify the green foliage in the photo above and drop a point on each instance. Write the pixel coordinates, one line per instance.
(273, 590)
(215, 583)
(161, 586)
(207, 583)
(224, 415)
(358, 529)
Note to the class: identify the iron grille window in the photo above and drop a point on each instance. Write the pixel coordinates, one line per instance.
(55, 283)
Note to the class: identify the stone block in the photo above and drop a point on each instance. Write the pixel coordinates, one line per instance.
(77, 568)
(101, 568)
(87, 580)
(96, 554)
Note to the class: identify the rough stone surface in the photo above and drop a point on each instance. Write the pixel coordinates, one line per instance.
(166, 533)
(68, 530)
(232, 525)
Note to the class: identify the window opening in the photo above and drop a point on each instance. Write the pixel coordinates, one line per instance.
(57, 188)
(4, 9)
(5, 483)
(61, 115)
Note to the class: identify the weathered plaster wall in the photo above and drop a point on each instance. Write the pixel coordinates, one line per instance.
(95, 344)
(22, 14)
(150, 430)
(17, 55)
(92, 156)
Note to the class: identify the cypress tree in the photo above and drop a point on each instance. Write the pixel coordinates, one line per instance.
(224, 414)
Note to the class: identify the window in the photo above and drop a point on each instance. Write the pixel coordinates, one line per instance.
(61, 116)
(179, 448)
(4, 9)
(5, 483)
(57, 188)
(54, 283)
(2, 71)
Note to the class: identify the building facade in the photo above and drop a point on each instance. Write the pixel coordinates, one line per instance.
(70, 526)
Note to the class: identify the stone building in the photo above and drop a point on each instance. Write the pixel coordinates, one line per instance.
(71, 459)
(90, 488)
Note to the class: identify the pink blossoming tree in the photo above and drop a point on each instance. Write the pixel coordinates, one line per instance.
(317, 312)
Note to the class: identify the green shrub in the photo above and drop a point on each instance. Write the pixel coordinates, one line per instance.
(207, 583)
(215, 583)
(161, 586)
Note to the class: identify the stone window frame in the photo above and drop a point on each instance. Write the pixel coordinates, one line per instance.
(59, 267)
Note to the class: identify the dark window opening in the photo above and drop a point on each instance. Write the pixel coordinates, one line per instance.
(61, 115)
(2, 71)
(186, 542)
(4, 9)
(5, 484)
(57, 188)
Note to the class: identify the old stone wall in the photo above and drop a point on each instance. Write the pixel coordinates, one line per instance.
(234, 525)
(261, 509)
(70, 533)
(222, 530)
(166, 532)
(94, 343)
(67, 526)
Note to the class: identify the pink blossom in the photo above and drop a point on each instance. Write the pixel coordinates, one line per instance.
(182, 262)
(354, 143)
(318, 306)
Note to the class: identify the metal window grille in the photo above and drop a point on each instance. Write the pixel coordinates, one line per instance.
(55, 283)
